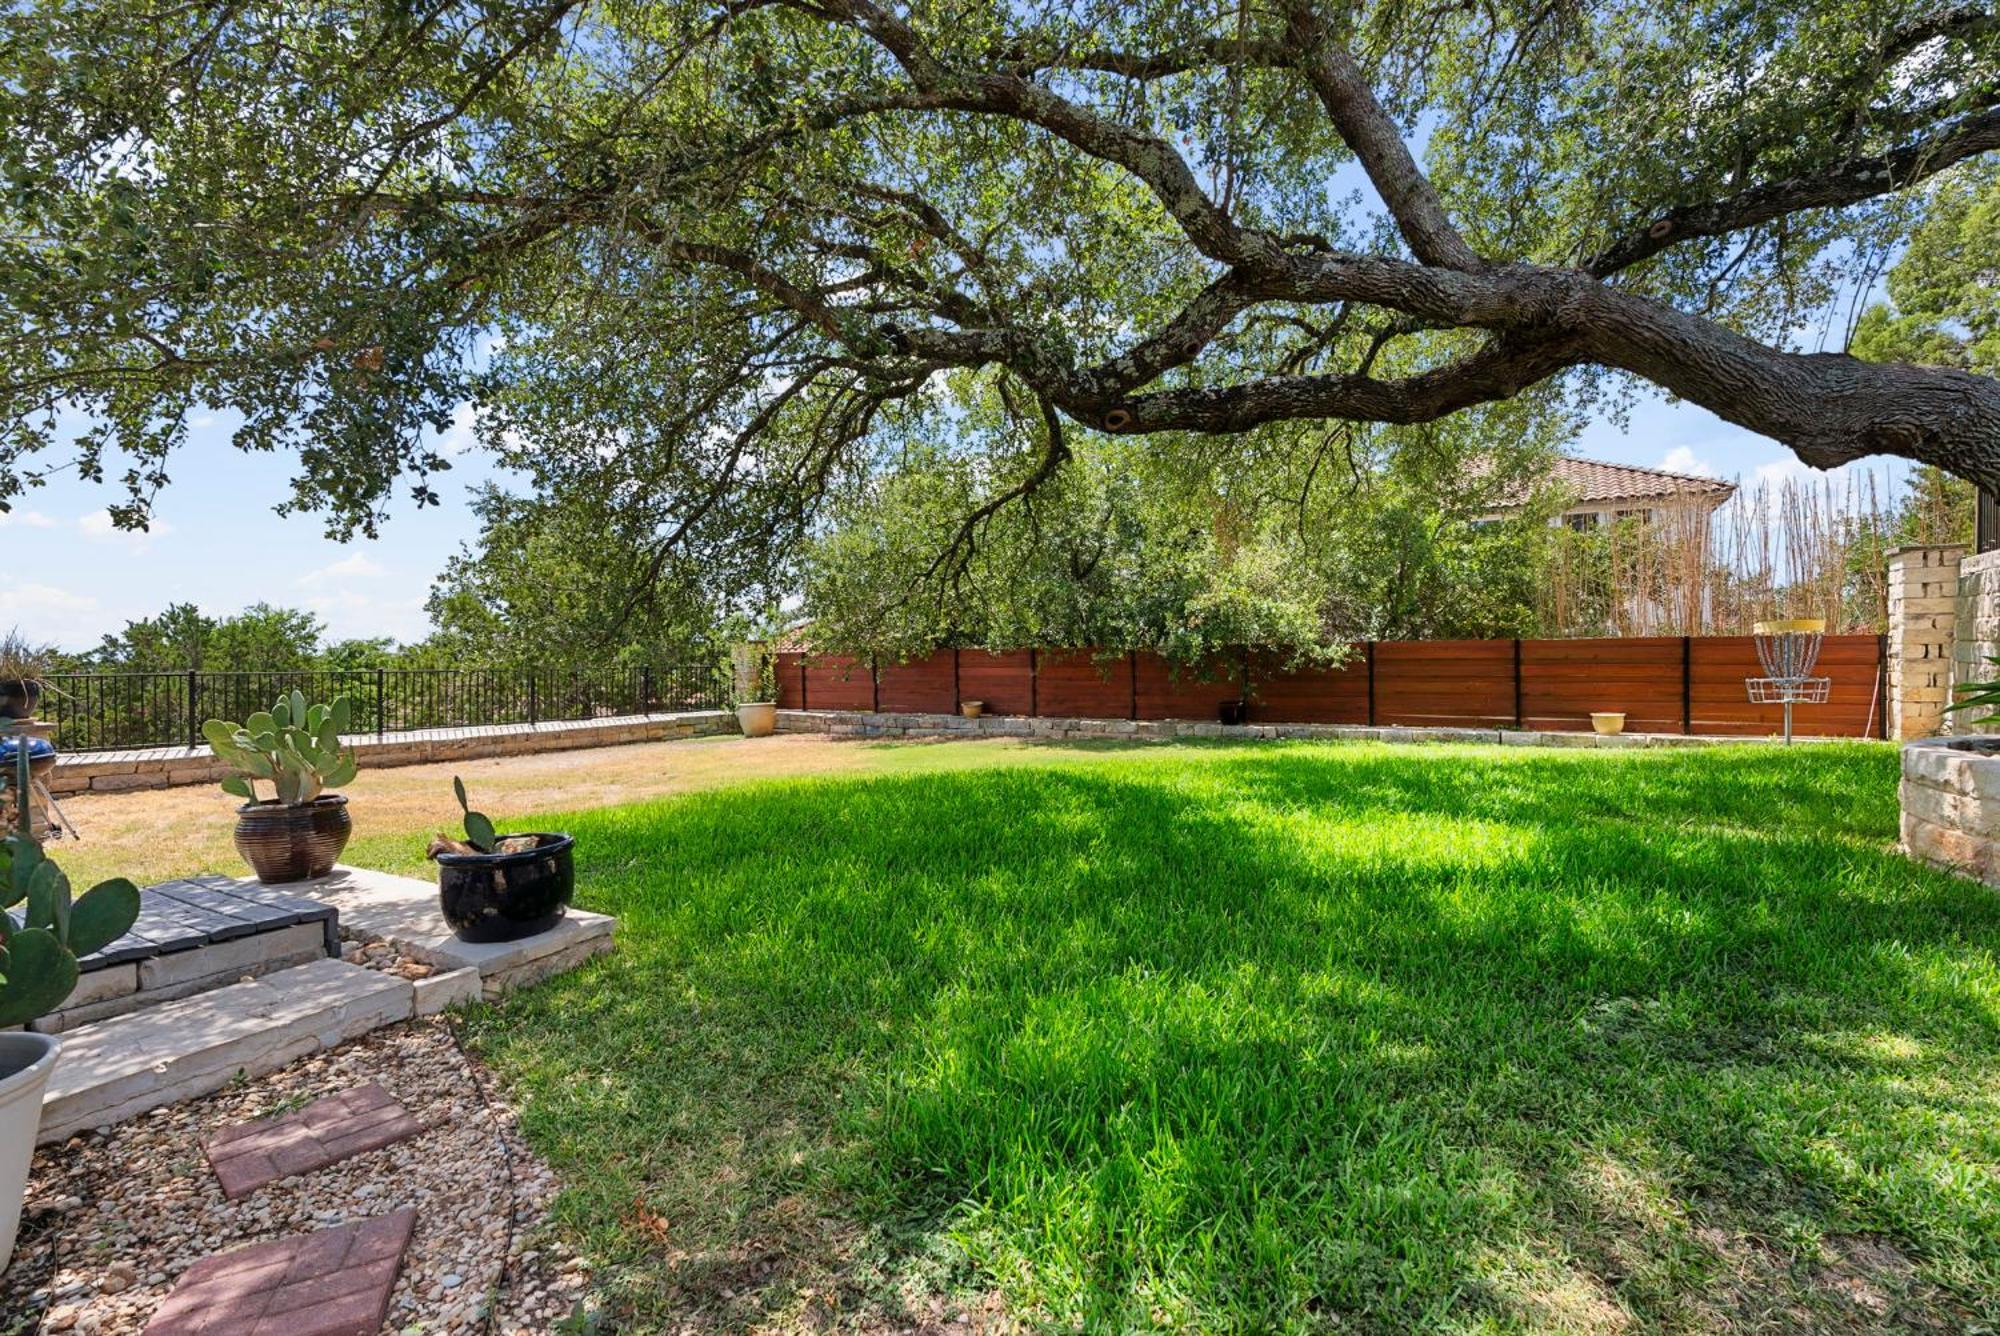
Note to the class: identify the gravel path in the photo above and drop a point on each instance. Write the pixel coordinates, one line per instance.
(113, 1218)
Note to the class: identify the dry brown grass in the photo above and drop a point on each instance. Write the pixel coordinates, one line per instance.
(155, 835)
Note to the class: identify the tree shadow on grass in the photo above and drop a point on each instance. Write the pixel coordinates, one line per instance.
(1274, 1041)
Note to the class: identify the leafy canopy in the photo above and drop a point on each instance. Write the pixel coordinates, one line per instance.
(710, 265)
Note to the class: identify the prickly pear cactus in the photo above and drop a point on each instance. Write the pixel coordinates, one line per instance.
(479, 832)
(294, 746)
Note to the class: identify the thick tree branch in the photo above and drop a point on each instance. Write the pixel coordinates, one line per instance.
(1146, 156)
(1500, 370)
(1342, 88)
(1200, 54)
(1848, 182)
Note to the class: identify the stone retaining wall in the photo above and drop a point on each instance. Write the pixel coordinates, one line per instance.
(1976, 637)
(165, 767)
(856, 724)
(1951, 805)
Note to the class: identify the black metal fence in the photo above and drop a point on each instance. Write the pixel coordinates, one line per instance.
(112, 711)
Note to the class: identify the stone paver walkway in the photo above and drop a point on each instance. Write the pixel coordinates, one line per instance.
(332, 1282)
(249, 1155)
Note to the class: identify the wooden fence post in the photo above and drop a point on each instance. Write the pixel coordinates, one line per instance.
(1881, 706)
(955, 701)
(1132, 671)
(874, 685)
(1518, 721)
(1034, 697)
(1369, 650)
(1687, 685)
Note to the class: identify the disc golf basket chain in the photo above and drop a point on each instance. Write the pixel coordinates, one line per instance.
(1788, 651)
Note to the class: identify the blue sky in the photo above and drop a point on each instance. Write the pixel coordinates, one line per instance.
(219, 545)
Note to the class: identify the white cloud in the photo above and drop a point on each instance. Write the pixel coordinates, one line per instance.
(360, 566)
(349, 613)
(27, 519)
(46, 613)
(98, 527)
(1779, 471)
(1682, 459)
(462, 436)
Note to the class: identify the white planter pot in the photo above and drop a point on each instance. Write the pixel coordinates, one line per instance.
(758, 719)
(25, 1063)
(1607, 721)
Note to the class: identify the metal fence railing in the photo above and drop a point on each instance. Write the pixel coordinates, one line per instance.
(113, 711)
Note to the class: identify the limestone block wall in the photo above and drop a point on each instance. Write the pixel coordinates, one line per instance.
(1924, 591)
(884, 724)
(1977, 631)
(166, 767)
(1951, 805)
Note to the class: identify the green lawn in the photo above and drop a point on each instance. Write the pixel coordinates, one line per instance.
(1280, 1037)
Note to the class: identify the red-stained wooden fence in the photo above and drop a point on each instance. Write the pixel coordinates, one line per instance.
(1663, 684)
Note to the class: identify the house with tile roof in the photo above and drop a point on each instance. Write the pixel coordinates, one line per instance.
(1603, 493)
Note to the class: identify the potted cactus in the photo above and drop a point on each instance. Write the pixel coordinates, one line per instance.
(38, 951)
(500, 888)
(296, 748)
(24, 670)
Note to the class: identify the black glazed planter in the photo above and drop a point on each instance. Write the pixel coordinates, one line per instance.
(19, 696)
(504, 897)
(1233, 711)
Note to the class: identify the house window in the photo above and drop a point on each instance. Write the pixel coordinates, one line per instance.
(1582, 521)
(1643, 516)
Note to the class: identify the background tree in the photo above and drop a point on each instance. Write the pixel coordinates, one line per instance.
(568, 580)
(1943, 309)
(1302, 538)
(1944, 290)
(261, 638)
(724, 247)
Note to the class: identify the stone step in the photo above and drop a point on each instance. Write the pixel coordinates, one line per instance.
(381, 906)
(119, 1068)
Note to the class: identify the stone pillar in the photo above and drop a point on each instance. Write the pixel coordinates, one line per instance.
(1923, 616)
(1976, 636)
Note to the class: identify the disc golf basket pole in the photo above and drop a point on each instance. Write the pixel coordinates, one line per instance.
(1788, 651)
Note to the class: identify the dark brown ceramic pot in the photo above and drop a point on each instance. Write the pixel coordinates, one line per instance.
(283, 843)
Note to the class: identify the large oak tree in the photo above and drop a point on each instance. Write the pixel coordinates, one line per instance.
(709, 260)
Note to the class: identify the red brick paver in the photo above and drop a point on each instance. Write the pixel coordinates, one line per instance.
(332, 1282)
(249, 1155)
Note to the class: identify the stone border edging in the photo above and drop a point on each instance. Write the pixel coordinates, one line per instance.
(167, 767)
(862, 724)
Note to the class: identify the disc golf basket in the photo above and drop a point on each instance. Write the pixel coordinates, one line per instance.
(1788, 650)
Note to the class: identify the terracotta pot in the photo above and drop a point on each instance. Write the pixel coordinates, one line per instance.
(504, 897)
(282, 843)
(972, 709)
(757, 719)
(26, 1059)
(1607, 721)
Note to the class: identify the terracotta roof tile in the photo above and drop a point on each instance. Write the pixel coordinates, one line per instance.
(1597, 480)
